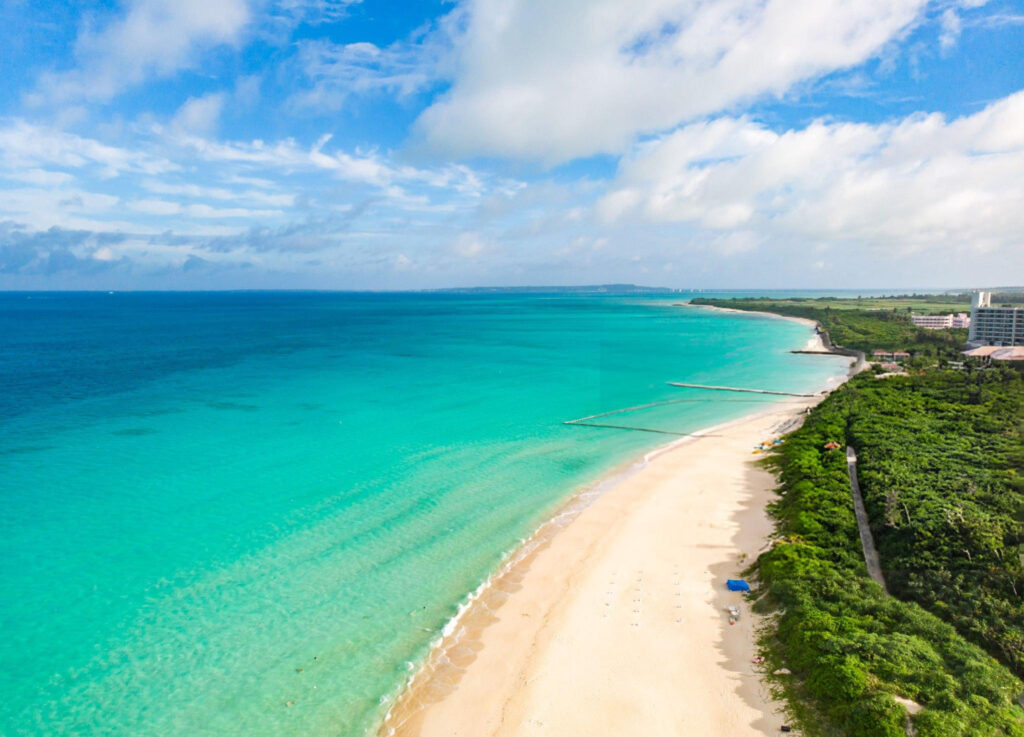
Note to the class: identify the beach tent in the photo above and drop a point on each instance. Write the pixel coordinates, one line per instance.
(736, 584)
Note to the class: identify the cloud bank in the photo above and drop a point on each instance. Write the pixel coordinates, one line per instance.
(558, 81)
(733, 142)
(922, 183)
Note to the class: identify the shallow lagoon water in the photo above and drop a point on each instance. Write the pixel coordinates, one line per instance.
(251, 513)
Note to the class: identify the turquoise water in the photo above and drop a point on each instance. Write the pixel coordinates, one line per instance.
(250, 514)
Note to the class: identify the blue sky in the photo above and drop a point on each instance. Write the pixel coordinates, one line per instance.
(349, 144)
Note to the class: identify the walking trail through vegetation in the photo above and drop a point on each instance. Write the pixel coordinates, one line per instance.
(867, 541)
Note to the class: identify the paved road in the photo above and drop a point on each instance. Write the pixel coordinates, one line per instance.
(867, 541)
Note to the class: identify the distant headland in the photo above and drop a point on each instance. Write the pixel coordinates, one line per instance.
(583, 289)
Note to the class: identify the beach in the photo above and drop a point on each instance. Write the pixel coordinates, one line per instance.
(617, 624)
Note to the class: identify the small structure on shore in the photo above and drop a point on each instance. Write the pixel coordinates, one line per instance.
(890, 356)
(737, 584)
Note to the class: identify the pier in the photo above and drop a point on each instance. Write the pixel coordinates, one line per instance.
(588, 420)
(737, 389)
(628, 427)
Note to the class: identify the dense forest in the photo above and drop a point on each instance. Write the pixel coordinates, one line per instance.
(858, 328)
(942, 471)
(941, 474)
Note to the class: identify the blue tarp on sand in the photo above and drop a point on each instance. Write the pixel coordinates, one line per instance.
(736, 584)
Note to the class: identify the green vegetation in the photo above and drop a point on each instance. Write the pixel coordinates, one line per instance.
(863, 324)
(942, 480)
(941, 465)
(942, 471)
(920, 304)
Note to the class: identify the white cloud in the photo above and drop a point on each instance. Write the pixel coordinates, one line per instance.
(197, 210)
(39, 177)
(247, 90)
(923, 183)
(197, 191)
(155, 207)
(44, 208)
(312, 11)
(206, 211)
(337, 71)
(24, 145)
(468, 245)
(951, 27)
(210, 196)
(556, 81)
(153, 38)
(401, 262)
(366, 167)
(260, 182)
(199, 115)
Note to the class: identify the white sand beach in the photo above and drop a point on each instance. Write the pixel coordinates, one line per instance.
(616, 625)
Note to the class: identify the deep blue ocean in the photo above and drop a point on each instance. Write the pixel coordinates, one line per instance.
(251, 513)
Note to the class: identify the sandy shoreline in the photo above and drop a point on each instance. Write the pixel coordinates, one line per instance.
(616, 624)
(611, 620)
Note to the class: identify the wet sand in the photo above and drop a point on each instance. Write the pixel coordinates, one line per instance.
(615, 624)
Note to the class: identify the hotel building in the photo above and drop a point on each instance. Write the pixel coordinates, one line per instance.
(997, 326)
(938, 322)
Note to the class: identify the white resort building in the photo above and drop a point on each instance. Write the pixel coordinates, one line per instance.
(994, 326)
(938, 322)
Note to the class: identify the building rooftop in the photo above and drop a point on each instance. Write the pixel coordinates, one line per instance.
(997, 353)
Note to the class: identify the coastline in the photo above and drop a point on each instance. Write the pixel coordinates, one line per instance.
(816, 345)
(773, 315)
(515, 657)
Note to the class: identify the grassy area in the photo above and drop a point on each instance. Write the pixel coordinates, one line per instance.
(847, 648)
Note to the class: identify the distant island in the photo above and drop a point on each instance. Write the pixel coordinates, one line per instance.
(582, 289)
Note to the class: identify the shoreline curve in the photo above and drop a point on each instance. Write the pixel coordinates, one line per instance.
(465, 637)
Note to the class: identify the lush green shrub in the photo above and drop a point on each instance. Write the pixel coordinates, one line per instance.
(851, 647)
(938, 460)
